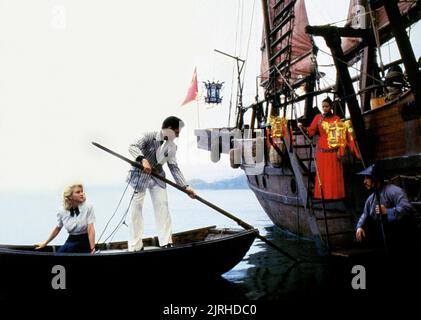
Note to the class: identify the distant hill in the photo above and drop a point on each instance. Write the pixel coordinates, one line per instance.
(239, 182)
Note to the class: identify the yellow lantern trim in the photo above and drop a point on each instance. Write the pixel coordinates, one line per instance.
(336, 133)
(278, 125)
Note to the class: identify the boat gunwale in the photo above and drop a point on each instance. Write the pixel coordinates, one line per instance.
(236, 233)
(389, 104)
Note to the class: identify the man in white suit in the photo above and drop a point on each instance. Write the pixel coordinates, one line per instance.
(153, 150)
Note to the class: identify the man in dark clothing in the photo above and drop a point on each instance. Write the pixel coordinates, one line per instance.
(389, 203)
(388, 223)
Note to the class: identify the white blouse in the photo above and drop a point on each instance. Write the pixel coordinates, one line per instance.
(78, 224)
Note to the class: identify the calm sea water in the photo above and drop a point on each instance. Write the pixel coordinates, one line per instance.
(28, 217)
(264, 273)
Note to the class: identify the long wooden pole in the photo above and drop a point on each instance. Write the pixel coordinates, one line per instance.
(380, 216)
(240, 222)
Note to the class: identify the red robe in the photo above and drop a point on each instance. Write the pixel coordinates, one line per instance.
(329, 171)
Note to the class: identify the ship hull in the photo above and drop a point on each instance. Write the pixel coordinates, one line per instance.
(281, 203)
(284, 192)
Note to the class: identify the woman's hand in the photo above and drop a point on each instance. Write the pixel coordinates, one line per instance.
(50, 238)
(93, 250)
(300, 126)
(40, 245)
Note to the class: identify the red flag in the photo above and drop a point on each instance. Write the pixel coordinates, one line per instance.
(192, 93)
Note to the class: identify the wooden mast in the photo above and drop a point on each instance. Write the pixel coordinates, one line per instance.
(405, 49)
(332, 36)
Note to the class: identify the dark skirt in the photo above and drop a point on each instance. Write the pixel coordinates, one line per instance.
(76, 243)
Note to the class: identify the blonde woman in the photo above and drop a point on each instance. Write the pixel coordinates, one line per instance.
(78, 218)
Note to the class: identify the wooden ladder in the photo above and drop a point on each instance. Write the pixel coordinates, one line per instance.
(301, 170)
(280, 37)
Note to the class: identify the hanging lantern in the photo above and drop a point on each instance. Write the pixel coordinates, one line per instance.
(336, 134)
(278, 125)
(213, 92)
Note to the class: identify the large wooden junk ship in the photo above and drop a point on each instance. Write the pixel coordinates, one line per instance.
(278, 158)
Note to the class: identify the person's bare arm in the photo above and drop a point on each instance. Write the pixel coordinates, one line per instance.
(91, 235)
(52, 235)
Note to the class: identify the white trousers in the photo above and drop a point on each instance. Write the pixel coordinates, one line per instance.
(162, 217)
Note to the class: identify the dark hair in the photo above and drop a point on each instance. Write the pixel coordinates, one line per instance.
(328, 100)
(173, 123)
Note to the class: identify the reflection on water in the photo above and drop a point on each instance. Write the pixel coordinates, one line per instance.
(267, 274)
(263, 275)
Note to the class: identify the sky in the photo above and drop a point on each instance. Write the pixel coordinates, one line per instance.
(77, 71)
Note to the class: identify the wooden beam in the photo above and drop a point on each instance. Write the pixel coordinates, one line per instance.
(405, 48)
(341, 32)
(333, 41)
(368, 70)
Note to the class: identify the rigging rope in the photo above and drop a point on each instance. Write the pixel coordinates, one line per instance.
(239, 87)
(248, 41)
(344, 62)
(123, 218)
(241, 28)
(115, 211)
(233, 66)
(346, 19)
(377, 38)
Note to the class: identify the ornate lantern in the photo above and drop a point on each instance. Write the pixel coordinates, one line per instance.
(213, 92)
(278, 125)
(336, 134)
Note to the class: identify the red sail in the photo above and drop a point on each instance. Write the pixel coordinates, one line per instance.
(359, 17)
(356, 19)
(301, 43)
(302, 46)
(381, 17)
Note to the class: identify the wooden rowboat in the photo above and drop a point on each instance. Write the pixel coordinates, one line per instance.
(203, 253)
